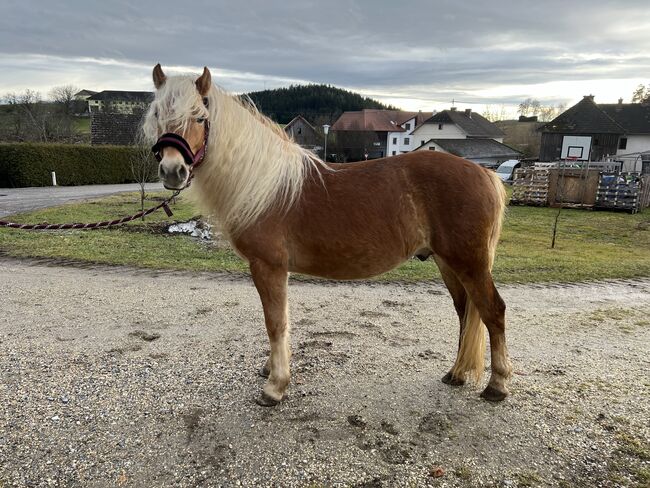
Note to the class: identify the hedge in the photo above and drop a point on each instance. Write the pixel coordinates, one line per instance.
(27, 164)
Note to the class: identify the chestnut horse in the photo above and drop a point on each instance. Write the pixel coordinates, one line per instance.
(284, 210)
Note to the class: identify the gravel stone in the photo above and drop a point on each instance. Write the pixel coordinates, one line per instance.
(87, 401)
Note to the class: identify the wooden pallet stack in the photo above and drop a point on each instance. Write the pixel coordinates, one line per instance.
(530, 186)
(620, 192)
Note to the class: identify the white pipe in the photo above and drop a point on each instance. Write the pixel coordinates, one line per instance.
(53, 178)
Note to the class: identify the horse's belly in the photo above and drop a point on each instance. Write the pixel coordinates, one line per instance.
(348, 263)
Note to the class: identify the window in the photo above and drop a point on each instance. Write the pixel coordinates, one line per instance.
(299, 130)
(439, 126)
(407, 141)
(394, 140)
(422, 142)
(622, 143)
(432, 149)
(393, 153)
(408, 127)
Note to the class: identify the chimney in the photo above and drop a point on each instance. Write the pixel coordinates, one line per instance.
(453, 109)
(588, 97)
(620, 101)
(468, 112)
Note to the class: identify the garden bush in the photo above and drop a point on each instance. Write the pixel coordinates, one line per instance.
(28, 164)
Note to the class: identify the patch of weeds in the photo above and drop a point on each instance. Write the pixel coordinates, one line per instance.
(606, 314)
(463, 472)
(634, 447)
(528, 478)
(642, 323)
(630, 460)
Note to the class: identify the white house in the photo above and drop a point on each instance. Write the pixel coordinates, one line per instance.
(465, 134)
(401, 140)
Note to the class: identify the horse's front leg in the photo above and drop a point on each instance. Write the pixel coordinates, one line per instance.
(271, 284)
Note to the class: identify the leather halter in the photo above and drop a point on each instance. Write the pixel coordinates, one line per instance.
(178, 142)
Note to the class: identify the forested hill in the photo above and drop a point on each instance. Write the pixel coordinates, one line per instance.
(320, 104)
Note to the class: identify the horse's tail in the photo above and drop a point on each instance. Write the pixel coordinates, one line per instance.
(471, 354)
(499, 211)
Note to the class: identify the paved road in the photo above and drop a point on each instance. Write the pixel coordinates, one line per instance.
(15, 200)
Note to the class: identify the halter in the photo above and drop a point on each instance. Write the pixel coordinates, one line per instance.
(178, 142)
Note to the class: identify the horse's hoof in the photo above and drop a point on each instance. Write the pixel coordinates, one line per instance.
(264, 372)
(451, 380)
(491, 394)
(265, 400)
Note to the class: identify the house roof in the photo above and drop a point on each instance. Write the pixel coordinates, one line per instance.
(377, 120)
(84, 92)
(475, 148)
(633, 117)
(126, 96)
(585, 117)
(473, 124)
(296, 119)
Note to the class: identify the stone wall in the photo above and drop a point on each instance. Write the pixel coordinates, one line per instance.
(112, 128)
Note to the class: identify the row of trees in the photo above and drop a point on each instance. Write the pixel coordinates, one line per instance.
(25, 116)
(530, 107)
(320, 104)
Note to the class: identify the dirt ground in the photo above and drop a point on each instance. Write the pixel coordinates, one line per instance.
(120, 377)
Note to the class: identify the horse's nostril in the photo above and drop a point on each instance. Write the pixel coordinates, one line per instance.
(161, 171)
(182, 173)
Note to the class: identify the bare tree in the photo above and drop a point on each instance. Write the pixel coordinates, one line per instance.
(30, 105)
(64, 109)
(495, 114)
(641, 94)
(144, 168)
(524, 107)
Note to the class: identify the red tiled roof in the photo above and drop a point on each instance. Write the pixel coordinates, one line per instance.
(377, 120)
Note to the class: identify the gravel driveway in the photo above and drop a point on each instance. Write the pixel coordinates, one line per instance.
(118, 377)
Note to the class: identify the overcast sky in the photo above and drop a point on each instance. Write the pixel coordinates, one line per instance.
(417, 54)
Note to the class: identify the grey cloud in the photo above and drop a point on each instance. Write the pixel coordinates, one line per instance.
(447, 45)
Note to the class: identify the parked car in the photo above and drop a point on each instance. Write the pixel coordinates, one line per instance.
(506, 170)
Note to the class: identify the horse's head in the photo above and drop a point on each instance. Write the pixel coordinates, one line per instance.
(179, 119)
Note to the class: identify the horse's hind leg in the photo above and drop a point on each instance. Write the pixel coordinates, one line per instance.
(459, 296)
(484, 295)
(271, 284)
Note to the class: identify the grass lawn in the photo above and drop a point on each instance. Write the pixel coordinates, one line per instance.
(591, 245)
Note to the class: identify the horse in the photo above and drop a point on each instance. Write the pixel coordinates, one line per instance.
(285, 211)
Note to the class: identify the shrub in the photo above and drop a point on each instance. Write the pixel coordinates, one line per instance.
(27, 164)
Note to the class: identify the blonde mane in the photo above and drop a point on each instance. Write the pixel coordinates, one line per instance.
(251, 164)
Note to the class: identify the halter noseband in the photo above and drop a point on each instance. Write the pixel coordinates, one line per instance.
(178, 142)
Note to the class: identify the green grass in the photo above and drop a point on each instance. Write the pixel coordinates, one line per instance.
(590, 245)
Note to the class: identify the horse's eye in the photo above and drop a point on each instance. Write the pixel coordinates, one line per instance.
(200, 120)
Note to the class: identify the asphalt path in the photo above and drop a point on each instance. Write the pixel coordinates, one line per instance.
(16, 200)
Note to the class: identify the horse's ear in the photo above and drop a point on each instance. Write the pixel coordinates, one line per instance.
(158, 76)
(204, 82)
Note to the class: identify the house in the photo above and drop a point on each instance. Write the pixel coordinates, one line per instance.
(370, 134)
(121, 102)
(593, 132)
(465, 134)
(301, 131)
(486, 152)
(455, 124)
